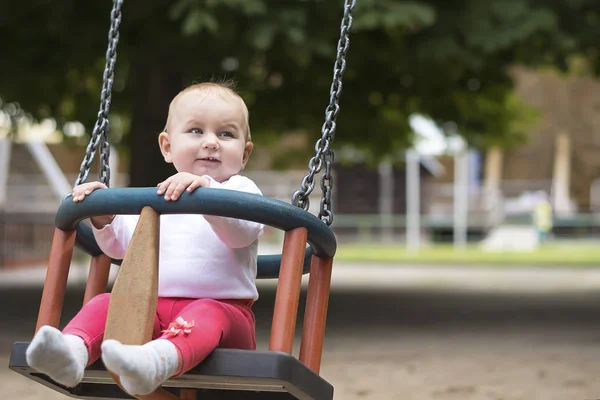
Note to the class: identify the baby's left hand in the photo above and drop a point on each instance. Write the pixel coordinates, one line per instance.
(175, 185)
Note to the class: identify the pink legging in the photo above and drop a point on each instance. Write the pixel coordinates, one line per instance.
(218, 323)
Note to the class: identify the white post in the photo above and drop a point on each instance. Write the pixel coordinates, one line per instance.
(113, 163)
(461, 198)
(413, 220)
(561, 175)
(50, 168)
(5, 150)
(493, 171)
(386, 199)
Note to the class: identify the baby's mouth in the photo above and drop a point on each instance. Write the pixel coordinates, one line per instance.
(210, 159)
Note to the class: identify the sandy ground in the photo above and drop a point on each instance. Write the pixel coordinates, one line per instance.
(428, 341)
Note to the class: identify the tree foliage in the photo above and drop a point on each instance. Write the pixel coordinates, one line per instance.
(447, 59)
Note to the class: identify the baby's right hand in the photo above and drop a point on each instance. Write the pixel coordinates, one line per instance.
(85, 189)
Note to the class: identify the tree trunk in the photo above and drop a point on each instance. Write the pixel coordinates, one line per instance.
(155, 85)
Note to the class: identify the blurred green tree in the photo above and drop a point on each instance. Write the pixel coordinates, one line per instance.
(448, 59)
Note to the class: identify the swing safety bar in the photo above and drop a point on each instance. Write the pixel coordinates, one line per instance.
(226, 373)
(221, 202)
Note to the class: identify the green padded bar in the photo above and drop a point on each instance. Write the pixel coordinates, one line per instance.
(220, 202)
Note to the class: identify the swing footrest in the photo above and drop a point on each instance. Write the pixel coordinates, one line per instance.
(226, 374)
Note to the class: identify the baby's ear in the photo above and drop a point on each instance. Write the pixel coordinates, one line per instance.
(164, 142)
(247, 152)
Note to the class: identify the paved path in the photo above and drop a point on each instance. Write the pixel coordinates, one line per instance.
(360, 277)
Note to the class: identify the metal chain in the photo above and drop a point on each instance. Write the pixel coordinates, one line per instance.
(101, 127)
(324, 156)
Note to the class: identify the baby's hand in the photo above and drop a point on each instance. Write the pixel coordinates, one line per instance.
(85, 189)
(174, 186)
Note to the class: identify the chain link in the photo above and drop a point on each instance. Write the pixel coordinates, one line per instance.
(324, 156)
(101, 127)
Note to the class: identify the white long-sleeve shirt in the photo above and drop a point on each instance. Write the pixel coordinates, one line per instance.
(200, 256)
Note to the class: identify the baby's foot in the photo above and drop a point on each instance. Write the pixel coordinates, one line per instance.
(62, 357)
(141, 368)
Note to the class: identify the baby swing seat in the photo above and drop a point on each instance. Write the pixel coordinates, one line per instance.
(226, 373)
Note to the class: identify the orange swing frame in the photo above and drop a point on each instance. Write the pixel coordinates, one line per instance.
(135, 292)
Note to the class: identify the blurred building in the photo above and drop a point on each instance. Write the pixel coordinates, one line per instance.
(373, 194)
(562, 152)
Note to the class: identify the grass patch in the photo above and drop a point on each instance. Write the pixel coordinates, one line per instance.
(559, 254)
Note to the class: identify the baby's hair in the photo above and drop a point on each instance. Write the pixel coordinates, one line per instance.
(223, 87)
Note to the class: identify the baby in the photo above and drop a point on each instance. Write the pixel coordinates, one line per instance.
(207, 263)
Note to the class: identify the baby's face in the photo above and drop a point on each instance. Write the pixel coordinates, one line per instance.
(206, 135)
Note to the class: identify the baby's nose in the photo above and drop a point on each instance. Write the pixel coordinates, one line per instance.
(210, 141)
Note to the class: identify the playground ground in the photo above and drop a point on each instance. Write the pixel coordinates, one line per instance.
(414, 332)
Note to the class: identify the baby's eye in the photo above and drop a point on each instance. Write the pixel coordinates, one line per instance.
(196, 130)
(226, 134)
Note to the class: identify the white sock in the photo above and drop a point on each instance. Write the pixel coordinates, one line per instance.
(62, 357)
(141, 368)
